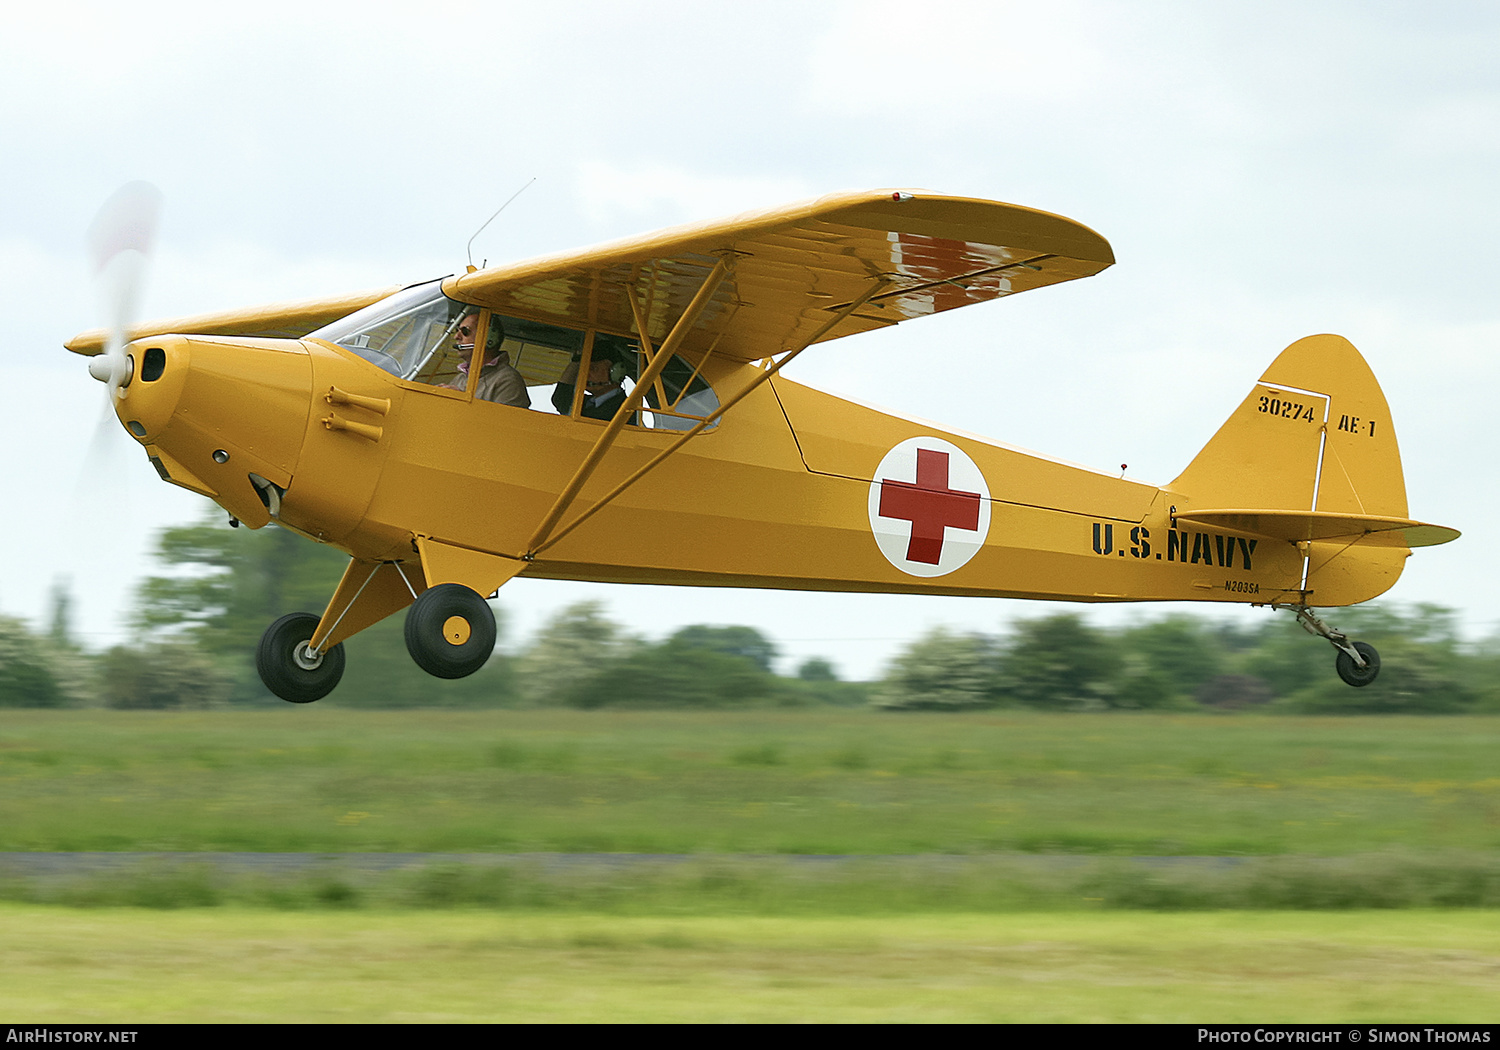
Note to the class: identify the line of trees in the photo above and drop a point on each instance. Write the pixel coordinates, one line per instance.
(198, 620)
(1181, 662)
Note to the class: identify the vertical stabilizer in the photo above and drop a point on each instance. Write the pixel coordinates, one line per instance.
(1314, 434)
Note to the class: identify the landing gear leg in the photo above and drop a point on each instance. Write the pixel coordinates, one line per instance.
(1357, 663)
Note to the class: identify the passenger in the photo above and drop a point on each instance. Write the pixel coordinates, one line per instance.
(498, 381)
(603, 394)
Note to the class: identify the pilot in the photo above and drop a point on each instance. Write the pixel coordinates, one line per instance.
(498, 381)
(603, 394)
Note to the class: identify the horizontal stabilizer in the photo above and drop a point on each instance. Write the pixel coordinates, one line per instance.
(1299, 525)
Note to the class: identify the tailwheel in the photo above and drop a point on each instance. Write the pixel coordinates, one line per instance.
(450, 631)
(1357, 663)
(1354, 674)
(290, 668)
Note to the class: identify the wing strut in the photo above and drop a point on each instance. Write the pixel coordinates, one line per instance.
(708, 421)
(633, 402)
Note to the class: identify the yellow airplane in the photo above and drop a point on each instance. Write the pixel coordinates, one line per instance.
(662, 445)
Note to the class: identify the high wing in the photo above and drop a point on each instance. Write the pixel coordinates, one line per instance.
(796, 266)
(276, 321)
(793, 268)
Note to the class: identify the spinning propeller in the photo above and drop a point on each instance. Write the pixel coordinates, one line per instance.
(120, 241)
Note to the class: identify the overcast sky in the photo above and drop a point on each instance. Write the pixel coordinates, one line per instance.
(1264, 171)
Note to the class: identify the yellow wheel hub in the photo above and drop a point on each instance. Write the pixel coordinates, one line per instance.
(456, 630)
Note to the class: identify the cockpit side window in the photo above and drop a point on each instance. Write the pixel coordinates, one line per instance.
(679, 398)
(540, 352)
(415, 334)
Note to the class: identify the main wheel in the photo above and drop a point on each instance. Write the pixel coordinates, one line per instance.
(450, 631)
(288, 669)
(1359, 676)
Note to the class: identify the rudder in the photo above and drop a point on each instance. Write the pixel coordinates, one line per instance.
(1314, 434)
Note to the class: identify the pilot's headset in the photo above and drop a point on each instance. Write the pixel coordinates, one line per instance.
(618, 369)
(494, 339)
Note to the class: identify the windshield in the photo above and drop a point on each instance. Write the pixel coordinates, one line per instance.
(401, 332)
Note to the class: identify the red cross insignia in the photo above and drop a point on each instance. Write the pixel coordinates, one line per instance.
(929, 507)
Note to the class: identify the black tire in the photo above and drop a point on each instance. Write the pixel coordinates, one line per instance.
(1359, 676)
(277, 664)
(450, 631)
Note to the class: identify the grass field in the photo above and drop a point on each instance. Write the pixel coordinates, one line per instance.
(801, 781)
(1025, 907)
(246, 965)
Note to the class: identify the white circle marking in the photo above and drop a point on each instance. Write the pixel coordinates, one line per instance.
(929, 507)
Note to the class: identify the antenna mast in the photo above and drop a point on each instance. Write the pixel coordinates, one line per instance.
(469, 248)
